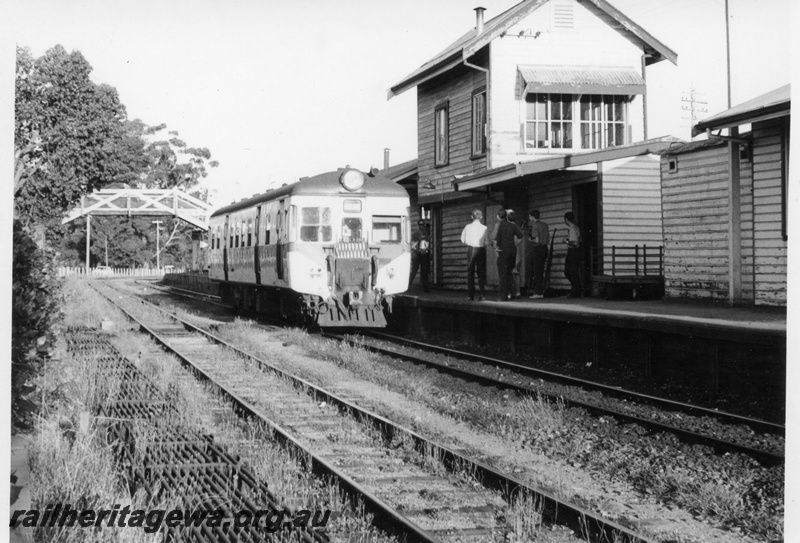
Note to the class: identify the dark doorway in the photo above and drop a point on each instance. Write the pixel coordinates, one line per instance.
(584, 205)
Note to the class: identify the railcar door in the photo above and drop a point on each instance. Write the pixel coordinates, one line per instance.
(257, 247)
(225, 245)
(280, 227)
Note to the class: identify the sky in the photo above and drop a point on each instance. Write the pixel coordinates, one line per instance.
(281, 90)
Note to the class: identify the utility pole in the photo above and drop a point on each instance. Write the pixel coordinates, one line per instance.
(158, 242)
(693, 104)
(88, 236)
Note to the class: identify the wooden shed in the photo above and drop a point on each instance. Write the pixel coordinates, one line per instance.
(724, 202)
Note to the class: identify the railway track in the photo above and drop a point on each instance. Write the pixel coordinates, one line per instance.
(693, 424)
(171, 462)
(517, 378)
(415, 487)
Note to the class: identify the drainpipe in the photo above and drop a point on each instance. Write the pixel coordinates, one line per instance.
(479, 29)
(645, 56)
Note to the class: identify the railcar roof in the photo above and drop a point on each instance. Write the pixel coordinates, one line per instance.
(320, 185)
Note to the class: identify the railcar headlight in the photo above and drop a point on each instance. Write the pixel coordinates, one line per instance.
(352, 180)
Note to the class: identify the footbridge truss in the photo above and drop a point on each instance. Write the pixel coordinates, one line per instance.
(141, 202)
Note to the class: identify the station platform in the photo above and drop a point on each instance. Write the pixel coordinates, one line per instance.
(698, 317)
(727, 350)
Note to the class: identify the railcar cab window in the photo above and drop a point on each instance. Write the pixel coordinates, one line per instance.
(351, 229)
(386, 229)
(316, 224)
(552, 121)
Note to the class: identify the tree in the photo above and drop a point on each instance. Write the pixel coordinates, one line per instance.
(70, 135)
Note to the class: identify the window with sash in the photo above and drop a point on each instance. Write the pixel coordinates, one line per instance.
(479, 122)
(571, 121)
(441, 135)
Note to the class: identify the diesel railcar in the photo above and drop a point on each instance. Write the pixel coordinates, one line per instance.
(330, 249)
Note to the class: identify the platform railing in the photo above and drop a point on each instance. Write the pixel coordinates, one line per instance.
(628, 261)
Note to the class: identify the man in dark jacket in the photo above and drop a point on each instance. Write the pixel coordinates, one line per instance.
(506, 249)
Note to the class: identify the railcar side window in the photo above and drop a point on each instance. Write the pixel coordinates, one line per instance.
(386, 229)
(249, 233)
(316, 224)
(351, 229)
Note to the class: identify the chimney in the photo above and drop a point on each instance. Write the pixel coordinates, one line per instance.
(479, 19)
(386, 159)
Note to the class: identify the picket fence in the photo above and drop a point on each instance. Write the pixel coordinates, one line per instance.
(64, 271)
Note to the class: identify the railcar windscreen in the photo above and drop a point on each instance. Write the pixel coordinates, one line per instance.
(386, 229)
(316, 224)
(351, 229)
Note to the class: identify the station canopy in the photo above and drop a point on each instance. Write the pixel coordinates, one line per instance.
(143, 202)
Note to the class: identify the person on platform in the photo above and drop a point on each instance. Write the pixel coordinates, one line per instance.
(572, 262)
(474, 237)
(539, 237)
(421, 255)
(503, 238)
(516, 283)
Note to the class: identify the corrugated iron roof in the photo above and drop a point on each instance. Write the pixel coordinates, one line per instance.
(774, 103)
(582, 80)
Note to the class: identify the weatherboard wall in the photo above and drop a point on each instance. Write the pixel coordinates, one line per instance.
(695, 213)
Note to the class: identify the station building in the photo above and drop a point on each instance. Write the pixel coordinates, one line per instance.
(542, 107)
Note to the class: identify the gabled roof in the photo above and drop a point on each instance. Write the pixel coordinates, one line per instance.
(471, 42)
(775, 103)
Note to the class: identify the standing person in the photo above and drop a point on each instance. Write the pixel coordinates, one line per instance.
(540, 237)
(420, 255)
(503, 237)
(474, 237)
(572, 263)
(516, 283)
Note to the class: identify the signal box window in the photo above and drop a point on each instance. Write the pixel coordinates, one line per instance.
(316, 224)
(386, 229)
(351, 229)
(441, 135)
(479, 123)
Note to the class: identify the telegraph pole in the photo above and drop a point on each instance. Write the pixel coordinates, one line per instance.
(158, 242)
(694, 105)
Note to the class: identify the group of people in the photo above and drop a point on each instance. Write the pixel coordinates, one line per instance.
(503, 240)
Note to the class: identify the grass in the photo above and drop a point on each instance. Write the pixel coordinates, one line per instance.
(724, 492)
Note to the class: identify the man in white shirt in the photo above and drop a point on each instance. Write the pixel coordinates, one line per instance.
(474, 237)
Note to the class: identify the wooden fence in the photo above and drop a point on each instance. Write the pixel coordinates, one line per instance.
(64, 271)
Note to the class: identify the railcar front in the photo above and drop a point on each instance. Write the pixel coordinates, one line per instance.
(351, 253)
(332, 249)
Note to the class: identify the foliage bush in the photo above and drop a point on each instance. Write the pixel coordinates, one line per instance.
(35, 313)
